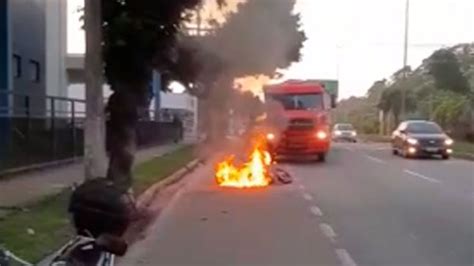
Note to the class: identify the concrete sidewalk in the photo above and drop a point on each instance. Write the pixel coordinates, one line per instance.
(32, 186)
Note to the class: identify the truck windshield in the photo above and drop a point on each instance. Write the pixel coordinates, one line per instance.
(299, 101)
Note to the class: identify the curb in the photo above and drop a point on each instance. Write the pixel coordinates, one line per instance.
(150, 193)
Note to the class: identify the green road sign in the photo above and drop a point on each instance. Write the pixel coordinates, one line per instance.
(331, 86)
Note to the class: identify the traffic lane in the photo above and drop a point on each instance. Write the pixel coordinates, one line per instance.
(208, 225)
(386, 217)
(455, 174)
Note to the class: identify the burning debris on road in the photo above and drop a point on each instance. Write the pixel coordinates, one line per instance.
(259, 171)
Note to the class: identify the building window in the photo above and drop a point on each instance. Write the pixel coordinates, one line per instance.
(35, 71)
(16, 68)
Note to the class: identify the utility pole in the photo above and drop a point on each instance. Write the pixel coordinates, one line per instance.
(405, 59)
(338, 66)
(95, 159)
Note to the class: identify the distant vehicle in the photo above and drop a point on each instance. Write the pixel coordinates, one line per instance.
(299, 118)
(421, 138)
(344, 132)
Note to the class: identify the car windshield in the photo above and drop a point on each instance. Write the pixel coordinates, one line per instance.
(299, 101)
(424, 128)
(344, 127)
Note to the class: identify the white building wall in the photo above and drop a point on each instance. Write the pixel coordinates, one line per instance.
(187, 102)
(181, 101)
(56, 51)
(56, 47)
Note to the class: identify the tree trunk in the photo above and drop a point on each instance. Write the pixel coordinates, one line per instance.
(124, 108)
(471, 125)
(95, 158)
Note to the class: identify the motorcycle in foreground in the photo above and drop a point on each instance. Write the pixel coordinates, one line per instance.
(100, 214)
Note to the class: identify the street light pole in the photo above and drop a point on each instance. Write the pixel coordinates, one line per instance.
(405, 58)
(338, 66)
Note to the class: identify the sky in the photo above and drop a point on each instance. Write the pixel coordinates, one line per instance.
(359, 42)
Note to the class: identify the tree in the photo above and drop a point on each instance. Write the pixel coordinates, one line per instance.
(446, 70)
(138, 36)
(449, 109)
(376, 90)
(360, 112)
(142, 35)
(95, 159)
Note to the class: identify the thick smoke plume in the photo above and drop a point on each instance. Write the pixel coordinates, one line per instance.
(259, 38)
(262, 36)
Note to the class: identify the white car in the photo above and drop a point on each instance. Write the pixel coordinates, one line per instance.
(344, 132)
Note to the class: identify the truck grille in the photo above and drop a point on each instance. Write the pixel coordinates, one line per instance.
(301, 124)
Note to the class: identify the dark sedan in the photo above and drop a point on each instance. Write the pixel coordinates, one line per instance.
(421, 138)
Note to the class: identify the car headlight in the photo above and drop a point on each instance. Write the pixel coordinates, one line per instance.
(448, 142)
(270, 136)
(337, 133)
(412, 141)
(353, 133)
(321, 135)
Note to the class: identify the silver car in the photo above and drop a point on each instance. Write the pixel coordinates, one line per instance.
(344, 132)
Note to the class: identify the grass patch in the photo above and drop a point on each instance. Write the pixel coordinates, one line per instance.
(463, 147)
(49, 219)
(150, 172)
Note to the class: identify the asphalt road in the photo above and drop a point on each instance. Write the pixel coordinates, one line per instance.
(362, 207)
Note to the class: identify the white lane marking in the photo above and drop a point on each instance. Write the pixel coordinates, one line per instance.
(328, 232)
(307, 197)
(347, 148)
(422, 176)
(316, 211)
(377, 160)
(345, 258)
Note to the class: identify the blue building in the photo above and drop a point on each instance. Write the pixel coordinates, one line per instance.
(4, 52)
(23, 55)
(23, 105)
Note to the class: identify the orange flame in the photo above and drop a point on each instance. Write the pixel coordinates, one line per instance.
(254, 173)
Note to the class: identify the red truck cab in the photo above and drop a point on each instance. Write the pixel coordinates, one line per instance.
(298, 119)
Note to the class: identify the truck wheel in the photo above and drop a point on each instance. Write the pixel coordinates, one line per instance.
(321, 157)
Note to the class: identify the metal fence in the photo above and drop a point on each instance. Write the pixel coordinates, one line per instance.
(42, 129)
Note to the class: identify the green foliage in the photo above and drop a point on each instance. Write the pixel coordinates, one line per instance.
(449, 108)
(374, 94)
(359, 112)
(141, 35)
(50, 224)
(446, 70)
